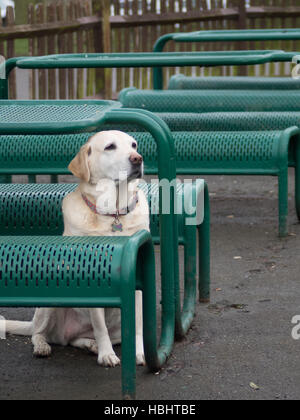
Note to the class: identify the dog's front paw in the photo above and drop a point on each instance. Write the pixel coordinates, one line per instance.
(42, 350)
(109, 360)
(140, 360)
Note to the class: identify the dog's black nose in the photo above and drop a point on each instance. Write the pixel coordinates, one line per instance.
(136, 159)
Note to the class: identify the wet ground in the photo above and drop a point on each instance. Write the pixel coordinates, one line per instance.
(240, 345)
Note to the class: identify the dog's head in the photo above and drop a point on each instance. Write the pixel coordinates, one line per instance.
(108, 155)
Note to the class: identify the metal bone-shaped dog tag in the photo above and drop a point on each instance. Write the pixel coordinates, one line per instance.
(117, 226)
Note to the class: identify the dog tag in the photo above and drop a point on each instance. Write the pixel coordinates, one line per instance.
(117, 227)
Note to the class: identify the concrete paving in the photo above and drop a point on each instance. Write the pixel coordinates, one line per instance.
(240, 345)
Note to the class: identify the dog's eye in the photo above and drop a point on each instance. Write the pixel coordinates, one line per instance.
(111, 147)
(134, 145)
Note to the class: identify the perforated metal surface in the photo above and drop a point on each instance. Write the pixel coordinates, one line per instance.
(211, 100)
(48, 267)
(36, 209)
(231, 121)
(195, 151)
(32, 209)
(18, 116)
(252, 83)
(40, 153)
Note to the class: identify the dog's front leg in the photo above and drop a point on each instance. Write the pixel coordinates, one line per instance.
(106, 354)
(41, 323)
(140, 357)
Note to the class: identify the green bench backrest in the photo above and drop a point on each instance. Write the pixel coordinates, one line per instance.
(182, 82)
(211, 100)
(194, 150)
(230, 121)
(36, 209)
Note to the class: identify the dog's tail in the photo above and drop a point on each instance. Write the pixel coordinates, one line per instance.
(19, 328)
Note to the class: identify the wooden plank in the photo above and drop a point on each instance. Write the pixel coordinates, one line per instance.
(242, 24)
(119, 36)
(189, 27)
(80, 49)
(172, 18)
(71, 46)
(153, 33)
(10, 20)
(46, 29)
(164, 30)
(31, 51)
(144, 44)
(98, 48)
(127, 44)
(26, 31)
(136, 36)
(106, 41)
(87, 7)
(61, 42)
(41, 50)
(51, 17)
(271, 11)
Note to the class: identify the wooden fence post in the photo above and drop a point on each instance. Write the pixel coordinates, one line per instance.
(106, 42)
(41, 46)
(10, 21)
(242, 24)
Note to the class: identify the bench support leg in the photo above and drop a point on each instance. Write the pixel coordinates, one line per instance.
(128, 348)
(185, 317)
(283, 203)
(204, 252)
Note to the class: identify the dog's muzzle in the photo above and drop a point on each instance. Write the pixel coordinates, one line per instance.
(137, 165)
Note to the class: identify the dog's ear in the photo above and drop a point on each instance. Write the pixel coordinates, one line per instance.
(80, 166)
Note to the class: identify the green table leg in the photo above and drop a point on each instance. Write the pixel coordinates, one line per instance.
(204, 252)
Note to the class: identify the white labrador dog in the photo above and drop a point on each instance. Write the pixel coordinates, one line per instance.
(107, 164)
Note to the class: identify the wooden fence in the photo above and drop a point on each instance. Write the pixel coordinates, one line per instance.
(73, 26)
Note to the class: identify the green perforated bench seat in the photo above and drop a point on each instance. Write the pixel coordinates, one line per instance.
(182, 82)
(88, 272)
(211, 100)
(61, 271)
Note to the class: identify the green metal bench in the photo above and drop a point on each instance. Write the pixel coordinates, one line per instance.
(36, 272)
(232, 151)
(182, 82)
(222, 36)
(198, 101)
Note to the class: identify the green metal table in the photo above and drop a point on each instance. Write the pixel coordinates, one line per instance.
(228, 36)
(225, 36)
(154, 60)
